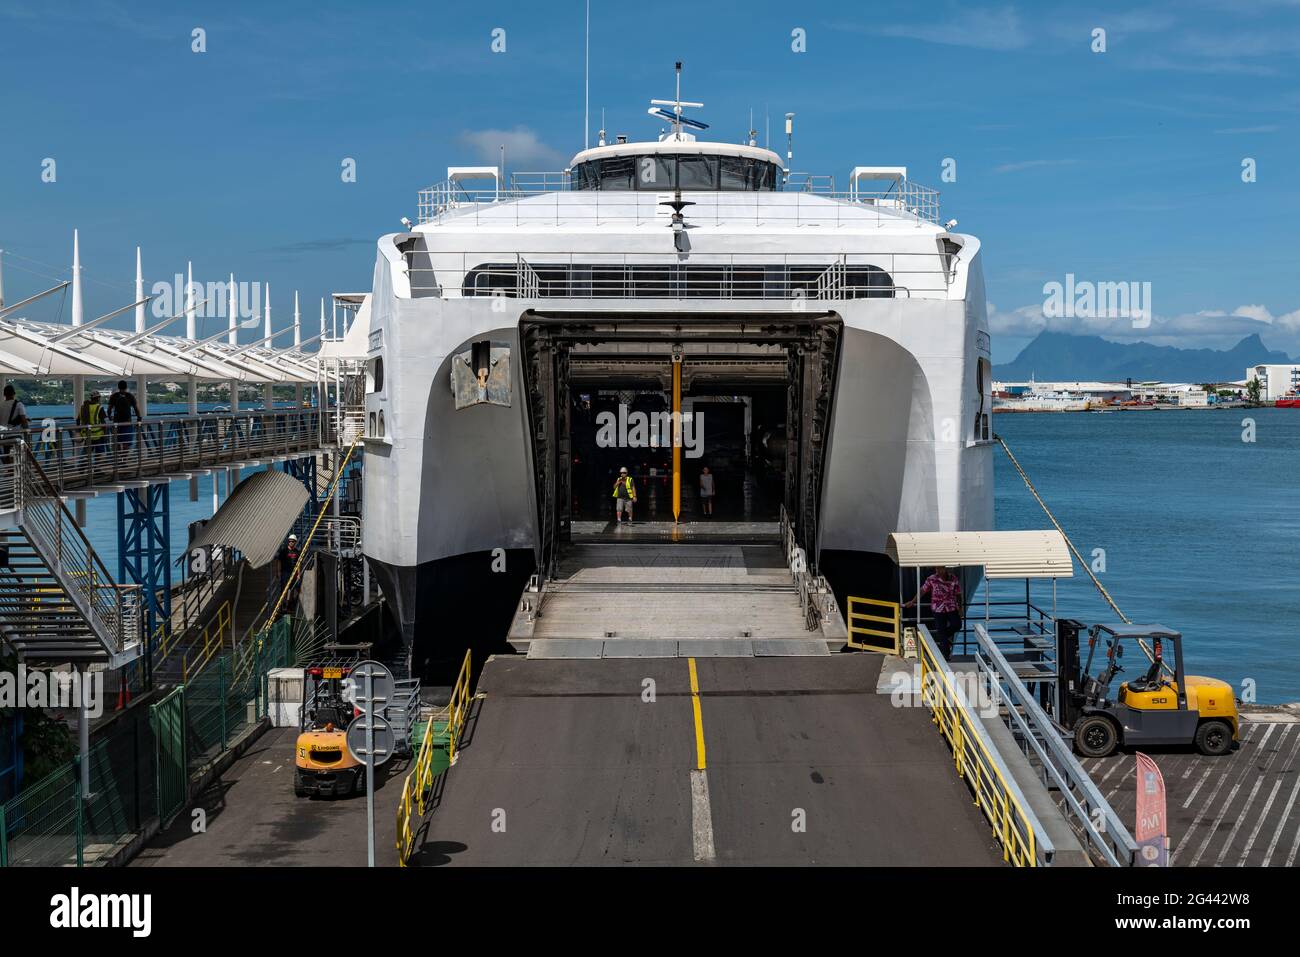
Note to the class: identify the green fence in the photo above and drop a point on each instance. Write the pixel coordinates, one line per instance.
(141, 767)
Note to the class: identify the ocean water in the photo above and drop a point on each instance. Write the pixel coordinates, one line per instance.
(1200, 528)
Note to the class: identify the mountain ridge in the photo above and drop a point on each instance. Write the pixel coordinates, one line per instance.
(1061, 356)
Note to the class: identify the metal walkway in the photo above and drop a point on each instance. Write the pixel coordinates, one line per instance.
(88, 460)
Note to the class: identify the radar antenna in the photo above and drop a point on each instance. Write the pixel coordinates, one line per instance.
(675, 114)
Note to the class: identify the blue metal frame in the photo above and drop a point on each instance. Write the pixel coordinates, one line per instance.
(304, 470)
(144, 550)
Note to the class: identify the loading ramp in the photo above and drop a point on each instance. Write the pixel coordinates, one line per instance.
(649, 598)
(804, 762)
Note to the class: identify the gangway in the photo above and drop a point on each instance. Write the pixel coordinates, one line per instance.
(78, 461)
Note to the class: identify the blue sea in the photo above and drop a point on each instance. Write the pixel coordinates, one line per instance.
(1201, 530)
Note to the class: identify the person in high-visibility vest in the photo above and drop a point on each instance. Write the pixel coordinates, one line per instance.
(91, 415)
(624, 496)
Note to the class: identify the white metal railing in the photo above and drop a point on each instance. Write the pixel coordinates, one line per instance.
(11, 489)
(82, 456)
(337, 533)
(806, 204)
(606, 274)
(66, 551)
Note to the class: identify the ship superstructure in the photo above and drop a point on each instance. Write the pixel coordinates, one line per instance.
(838, 340)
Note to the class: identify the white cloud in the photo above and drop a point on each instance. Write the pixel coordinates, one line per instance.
(1032, 164)
(1207, 329)
(999, 29)
(523, 148)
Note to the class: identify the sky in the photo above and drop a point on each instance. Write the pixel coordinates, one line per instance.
(1123, 164)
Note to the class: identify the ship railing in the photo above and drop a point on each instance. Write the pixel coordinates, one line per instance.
(340, 534)
(606, 274)
(1024, 839)
(807, 204)
(1036, 734)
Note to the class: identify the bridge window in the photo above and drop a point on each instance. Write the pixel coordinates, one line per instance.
(658, 172)
(680, 281)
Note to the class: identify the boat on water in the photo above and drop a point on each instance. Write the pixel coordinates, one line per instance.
(1044, 401)
(1289, 401)
(526, 339)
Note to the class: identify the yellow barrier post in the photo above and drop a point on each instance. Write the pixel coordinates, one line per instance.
(860, 635)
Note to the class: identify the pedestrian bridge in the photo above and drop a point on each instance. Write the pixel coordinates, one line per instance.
(82, 460)
(58, 601)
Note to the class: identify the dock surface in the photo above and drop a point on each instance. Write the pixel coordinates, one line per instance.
(1238, 810)
(596, 762)
(253, 818)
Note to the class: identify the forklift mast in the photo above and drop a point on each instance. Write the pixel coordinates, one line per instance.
(1069, 687)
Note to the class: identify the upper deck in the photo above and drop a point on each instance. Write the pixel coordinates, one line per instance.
(551, 199)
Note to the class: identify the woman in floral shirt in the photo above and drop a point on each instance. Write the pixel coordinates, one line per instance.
(944, 589)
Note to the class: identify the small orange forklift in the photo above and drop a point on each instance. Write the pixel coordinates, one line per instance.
(323, 764)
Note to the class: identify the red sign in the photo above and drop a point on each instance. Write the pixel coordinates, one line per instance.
(1151, 831)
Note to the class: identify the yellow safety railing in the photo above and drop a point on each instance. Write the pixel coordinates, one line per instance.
(418, 787)
(209, 642)
(860, 634)
(975, 764)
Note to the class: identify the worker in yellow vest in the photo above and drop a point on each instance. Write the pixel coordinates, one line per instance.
(624, 496)
(91, 415)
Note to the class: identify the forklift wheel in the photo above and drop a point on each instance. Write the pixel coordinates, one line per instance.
(1214, 738)
(1095, 736)
(359, 782)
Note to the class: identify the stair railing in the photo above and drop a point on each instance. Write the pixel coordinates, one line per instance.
(114, 608)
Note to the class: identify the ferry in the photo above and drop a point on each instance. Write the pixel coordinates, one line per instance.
(832, 345)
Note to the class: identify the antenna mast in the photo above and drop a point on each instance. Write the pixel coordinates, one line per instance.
(586, 83)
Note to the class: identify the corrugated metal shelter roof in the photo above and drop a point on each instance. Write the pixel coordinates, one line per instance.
(1033, 554)
(256, 517)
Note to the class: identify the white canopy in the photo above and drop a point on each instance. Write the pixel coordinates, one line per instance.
(1034, 554)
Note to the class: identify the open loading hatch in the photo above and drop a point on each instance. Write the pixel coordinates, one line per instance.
(752, 396)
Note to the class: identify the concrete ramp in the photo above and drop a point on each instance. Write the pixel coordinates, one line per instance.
(700, 762)
(677, 595)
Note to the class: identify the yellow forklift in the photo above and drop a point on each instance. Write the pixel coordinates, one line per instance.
(323, 765)
(1162, 707)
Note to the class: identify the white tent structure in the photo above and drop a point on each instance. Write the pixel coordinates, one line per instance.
(90, 349)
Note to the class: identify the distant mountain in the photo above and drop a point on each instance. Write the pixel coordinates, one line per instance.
(1062, 357)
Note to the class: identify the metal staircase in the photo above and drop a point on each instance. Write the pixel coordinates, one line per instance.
(58, 603)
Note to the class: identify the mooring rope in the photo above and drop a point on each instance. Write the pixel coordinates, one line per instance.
(1030, 485)
(1086, 567)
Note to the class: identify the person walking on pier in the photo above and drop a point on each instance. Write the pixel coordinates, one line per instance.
(944, 589)
(706, 491)
(13, 416)
(120, 406)
(624, 496)
(91, 415)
